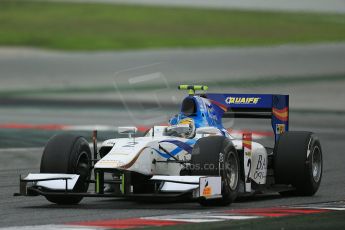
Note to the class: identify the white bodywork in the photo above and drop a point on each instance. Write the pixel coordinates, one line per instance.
(138, 155)
(143, 155)
(53, 181)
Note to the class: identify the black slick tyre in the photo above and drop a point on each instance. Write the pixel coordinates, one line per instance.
(217, 156)
(70, 154)
(298, 162)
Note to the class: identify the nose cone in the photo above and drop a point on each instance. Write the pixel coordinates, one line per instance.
(127, 155)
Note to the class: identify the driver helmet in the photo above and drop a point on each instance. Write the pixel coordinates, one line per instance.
(183, 120)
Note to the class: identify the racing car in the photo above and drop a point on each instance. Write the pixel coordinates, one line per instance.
(192, 157)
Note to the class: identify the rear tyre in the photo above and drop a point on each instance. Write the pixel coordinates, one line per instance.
(298, 162)
(216, 156)
(71, 154)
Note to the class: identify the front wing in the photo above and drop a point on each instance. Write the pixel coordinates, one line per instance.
(196, 187)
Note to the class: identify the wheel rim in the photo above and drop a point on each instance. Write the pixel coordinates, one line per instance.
(316, 163)
(82, 167)
(232, 171)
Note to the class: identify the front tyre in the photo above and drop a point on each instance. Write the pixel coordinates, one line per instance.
(298, 161)
(216, 156)
(71, 154)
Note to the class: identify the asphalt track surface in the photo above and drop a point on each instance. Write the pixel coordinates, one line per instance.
(313, 74)
(23, 68)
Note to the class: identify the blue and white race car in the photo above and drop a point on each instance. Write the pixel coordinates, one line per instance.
(194, 157)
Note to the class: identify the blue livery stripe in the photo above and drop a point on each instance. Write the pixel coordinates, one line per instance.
(186, 146)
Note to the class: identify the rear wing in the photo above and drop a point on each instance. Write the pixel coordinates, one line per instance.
(266, 106)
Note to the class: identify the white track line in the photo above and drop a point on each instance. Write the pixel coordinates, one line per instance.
(202, 217)
(336, 206)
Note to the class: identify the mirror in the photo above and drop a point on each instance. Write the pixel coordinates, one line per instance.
(127, 130)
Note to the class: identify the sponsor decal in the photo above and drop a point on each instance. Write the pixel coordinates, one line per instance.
(259, 174)
(242, 100)
(207, 190)
(210, 187)
(280, 128)
(114, 163)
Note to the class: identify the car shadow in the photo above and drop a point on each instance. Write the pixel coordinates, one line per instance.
(124, 204)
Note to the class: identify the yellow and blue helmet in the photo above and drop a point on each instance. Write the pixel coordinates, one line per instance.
(184, 120)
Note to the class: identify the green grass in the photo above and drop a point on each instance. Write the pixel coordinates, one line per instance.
(102, 27)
